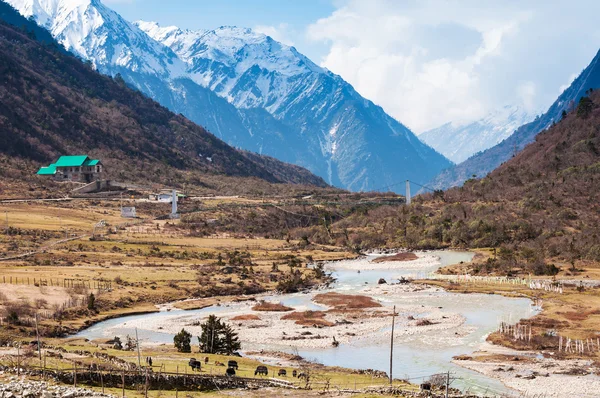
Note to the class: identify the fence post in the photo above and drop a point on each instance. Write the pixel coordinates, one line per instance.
(123, 382)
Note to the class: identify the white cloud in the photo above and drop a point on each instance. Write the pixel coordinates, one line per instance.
(526, 94)
(428, 62)
(566, 85)
(279, 33)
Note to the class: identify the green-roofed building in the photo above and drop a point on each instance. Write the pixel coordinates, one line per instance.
(78, 168)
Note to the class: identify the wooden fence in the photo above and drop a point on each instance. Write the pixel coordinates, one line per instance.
(93, 284)
(523, 332)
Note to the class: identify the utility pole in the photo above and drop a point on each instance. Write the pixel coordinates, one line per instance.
(407, 192)
(137, 343)
(37, 333)
(447, 383)
(392, 345)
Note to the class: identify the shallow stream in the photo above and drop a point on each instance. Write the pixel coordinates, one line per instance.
(415, 357)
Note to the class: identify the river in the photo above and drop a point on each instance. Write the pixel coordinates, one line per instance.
(416, 356)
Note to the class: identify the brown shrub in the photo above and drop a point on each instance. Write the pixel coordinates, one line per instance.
(308, 318)
(346, 301)
(396, 257)
(263, 305)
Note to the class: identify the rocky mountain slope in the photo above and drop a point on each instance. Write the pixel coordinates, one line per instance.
(460, 142)
(540, 209)
(483, 163)
(249, 90)
(53, 104)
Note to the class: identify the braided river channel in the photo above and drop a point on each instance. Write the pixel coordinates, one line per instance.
(460, 323)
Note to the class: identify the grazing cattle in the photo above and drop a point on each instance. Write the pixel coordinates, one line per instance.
(217, 363)
(230, 372)
(294, 373)
(282, 372)
(232, 364)
(302, 375)
(195, 365)
(206, 360)
(261, 370)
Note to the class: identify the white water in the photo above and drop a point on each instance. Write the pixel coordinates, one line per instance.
(416, 356)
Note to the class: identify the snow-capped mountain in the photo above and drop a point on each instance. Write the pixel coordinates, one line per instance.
(97, 33)
(460, 142)
(248, 89)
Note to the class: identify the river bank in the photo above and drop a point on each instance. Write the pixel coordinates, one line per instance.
(534, 375)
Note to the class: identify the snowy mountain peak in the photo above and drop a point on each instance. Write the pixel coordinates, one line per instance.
(247, 68)
(231, 45)
(95, 32)
(460, 141)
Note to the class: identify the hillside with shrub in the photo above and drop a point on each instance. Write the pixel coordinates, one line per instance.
(53, 104)
(538, 210)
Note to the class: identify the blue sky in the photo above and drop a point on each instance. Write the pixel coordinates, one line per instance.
(426, 62)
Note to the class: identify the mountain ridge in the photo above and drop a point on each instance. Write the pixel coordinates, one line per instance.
(52, 104)
(313, 119)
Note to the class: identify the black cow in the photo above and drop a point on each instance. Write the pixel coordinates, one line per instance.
(294, 373)
(195, 365)
(232, 364)
(426, 387)
(261, 370)
(230, 372)
(282, 372)
(302, 376)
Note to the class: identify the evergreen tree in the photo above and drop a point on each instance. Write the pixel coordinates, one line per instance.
(218, 337)
(585, 107)
(231, 343)
(182, 341)
(91, 304)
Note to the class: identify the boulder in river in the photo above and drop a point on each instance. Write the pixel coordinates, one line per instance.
(381, 281)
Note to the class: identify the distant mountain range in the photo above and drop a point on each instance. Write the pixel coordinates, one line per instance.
(53, 104)
(249, 90)
(460, 142)
(482, 163)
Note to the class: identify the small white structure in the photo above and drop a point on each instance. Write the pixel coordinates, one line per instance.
(407, 192)
(164, 197)
(174, 213)
(128, 212)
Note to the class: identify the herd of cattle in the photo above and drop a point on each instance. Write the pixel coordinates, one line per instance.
(232, 366)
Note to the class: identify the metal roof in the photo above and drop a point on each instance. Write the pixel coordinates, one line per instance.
(71, 161)
(91, 162)
(46, 171)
